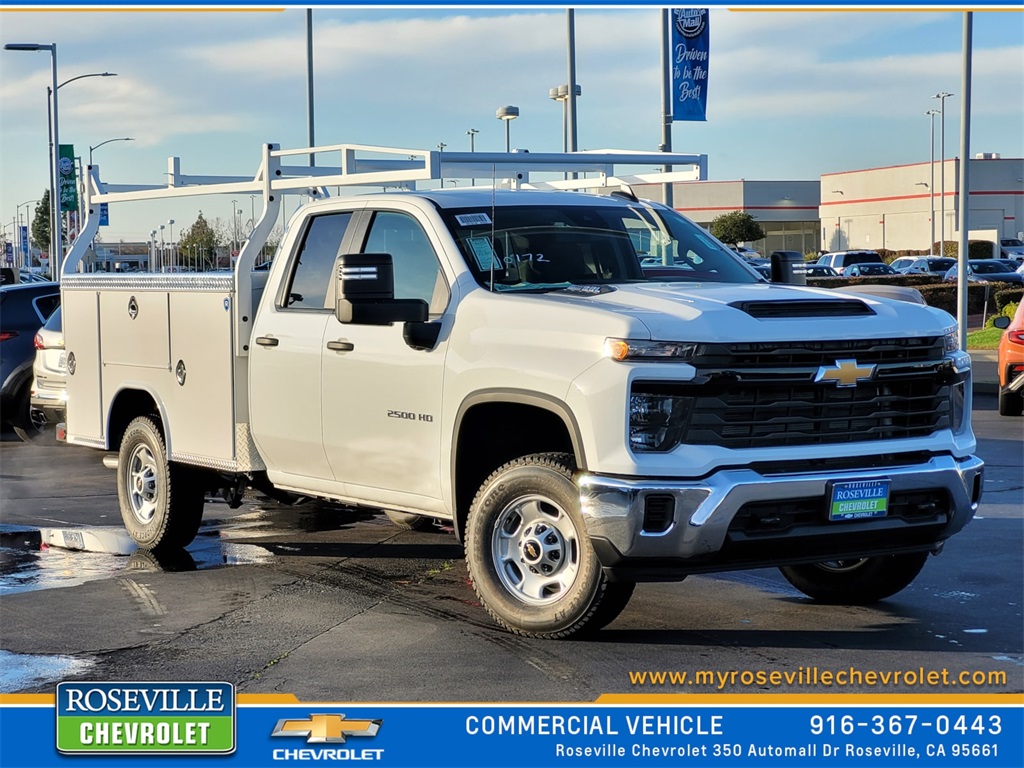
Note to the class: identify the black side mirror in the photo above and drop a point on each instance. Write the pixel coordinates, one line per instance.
(789, 268)
(1002, 322)
(366, 292)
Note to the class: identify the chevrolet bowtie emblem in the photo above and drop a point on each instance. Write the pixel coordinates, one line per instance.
(845, 373)
(321, 729)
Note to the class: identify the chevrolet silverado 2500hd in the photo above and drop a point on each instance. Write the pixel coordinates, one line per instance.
(590, 388)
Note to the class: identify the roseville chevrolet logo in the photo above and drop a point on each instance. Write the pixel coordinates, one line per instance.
(326, 729)
(846, 373)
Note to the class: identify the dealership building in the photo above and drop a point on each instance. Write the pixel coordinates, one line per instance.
(892, 208)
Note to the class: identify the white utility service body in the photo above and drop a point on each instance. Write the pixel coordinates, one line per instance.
(591, 388)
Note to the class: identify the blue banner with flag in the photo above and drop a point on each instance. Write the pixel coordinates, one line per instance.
(689, 63)
(23, 240)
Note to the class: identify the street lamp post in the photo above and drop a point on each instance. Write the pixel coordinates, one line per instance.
(17, 232)
(56, 233)
(930, 114)
(942, 96)
(472, 132)
(97, 146)
(508, 114)
(56, 244)
(561, 94)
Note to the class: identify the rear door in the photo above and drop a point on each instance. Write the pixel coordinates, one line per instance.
(285, 354)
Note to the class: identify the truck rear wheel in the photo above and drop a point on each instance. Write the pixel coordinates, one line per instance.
(858, 581)
(161, 501)
(528, 554)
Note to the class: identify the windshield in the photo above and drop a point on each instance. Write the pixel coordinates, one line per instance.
(988, 267)
(544, 248)
(1012, 243)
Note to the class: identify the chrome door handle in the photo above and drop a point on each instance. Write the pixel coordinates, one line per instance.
(341, 346)
(267, 341)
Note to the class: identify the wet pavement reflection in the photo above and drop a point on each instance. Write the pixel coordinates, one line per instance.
(46, 558)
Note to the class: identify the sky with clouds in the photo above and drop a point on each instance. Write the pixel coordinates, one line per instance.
(792, 95)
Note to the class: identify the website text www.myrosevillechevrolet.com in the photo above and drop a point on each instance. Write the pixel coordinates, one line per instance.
(816, 676)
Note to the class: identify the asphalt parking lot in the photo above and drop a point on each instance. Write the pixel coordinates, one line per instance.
(334, 604)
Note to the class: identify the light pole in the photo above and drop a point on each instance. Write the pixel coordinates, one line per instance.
(472, 132)
(97, 146)
(56, 243)
(942, 96)
(234, 227)
(17, 232)
(930, 114)
(508, 114)
(561, 94)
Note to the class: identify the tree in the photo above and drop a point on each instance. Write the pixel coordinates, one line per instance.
(41, 222)
(198, 244)
(736, 227)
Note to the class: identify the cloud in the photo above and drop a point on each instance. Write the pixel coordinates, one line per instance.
(801, 92)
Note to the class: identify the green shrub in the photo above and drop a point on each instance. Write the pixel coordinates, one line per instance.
(1007, 311)
(1006, 296)
(976, 249)
(943, 296)
(912, 280)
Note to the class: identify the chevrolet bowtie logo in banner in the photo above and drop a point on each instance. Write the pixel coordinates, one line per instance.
(326, 729)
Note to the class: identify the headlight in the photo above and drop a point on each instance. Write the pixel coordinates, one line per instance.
(654, 351)
(656, 421)
(950, 341)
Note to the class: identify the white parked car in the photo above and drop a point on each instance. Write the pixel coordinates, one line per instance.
(48, 399)
(1011, 248)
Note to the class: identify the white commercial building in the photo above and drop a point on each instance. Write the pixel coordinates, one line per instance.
(892, 208)
(877, 208)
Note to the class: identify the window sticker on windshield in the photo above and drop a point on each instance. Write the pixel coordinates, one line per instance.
(473, 219)
(483, 252)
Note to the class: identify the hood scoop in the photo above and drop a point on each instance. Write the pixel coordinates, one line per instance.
(781, 308)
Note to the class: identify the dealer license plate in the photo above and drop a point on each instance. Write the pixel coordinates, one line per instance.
(857, 499)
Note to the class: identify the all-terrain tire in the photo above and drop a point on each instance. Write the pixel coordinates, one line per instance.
(857, 581)
(1011, 403)
(528, 554)
(161, 501)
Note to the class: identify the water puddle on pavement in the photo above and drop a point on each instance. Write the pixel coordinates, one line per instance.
(48, 558)
(19, 671)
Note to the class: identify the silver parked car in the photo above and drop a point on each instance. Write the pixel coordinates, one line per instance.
(49, 385)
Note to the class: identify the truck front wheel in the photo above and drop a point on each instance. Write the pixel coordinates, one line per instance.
(161, 501)
(528, 554)
(857, 581)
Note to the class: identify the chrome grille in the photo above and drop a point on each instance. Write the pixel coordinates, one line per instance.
(762, 395)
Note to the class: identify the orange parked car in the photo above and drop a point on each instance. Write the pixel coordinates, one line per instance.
(1011, 364)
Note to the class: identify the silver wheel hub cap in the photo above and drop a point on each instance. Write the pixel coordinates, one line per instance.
(536, 550)
(842, 566)
(142, 475)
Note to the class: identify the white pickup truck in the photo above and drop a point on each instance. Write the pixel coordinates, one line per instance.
(590, 389)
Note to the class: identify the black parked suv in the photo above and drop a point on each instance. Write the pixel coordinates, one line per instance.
(23, 310)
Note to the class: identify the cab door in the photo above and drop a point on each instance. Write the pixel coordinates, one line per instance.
(285, 356)
(381, 397)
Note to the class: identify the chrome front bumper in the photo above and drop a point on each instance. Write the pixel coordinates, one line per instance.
(613, 508)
